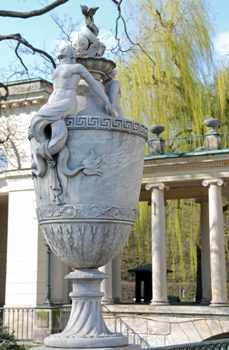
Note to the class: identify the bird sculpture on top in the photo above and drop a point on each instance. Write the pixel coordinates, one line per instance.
(86, 43)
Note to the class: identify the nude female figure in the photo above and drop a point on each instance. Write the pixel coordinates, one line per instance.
(61, 104)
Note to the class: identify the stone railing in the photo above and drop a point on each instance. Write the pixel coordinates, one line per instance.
(205, 345)
(32, 325)
(211, 141)
(19, 321)
(180, 145)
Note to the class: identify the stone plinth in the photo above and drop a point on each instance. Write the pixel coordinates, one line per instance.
(47, 321)
(128, 347)
(212, 140)
(156, 146)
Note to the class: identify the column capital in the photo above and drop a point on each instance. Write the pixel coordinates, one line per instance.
(218, 182)
(159, 186)
(201, 200)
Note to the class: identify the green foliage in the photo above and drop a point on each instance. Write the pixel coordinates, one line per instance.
(137, 250)
(182, 234)
(171, 79)
(7, 340)
(220, 97)
(167, 80)
(182, 237)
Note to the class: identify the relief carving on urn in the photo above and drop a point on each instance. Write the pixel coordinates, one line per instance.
(83, 152)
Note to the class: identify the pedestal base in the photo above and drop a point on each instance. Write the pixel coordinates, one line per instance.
(160, 303)
(86, 328)
(127, 347)
(215, 304)
(107, 301)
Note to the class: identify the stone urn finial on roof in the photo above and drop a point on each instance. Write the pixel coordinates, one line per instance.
(212, 138)
(212, 123)
(156, 144)
(156, 129)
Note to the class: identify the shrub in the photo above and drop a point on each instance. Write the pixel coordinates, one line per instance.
(7, 340)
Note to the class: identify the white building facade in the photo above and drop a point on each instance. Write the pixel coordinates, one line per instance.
(23, 253)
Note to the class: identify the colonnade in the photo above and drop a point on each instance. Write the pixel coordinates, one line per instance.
(213, 261)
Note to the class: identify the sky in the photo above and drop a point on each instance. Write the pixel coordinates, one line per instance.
(221, 40)
(42, 32)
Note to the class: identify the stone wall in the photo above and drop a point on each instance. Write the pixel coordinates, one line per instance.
(170, 325)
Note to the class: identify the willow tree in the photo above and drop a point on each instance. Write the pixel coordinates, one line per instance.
(166, 74)
(167, 77)
(220, 95)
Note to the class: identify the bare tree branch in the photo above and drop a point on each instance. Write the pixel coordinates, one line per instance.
(134, 44)
(21, 40)
(117, 3)
(16, 153)
(33, 13)
(19, 57)
(65, 25)
(5, 139)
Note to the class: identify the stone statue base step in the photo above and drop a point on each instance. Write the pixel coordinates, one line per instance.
(127, 347)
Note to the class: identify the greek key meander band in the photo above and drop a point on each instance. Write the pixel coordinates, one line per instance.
(86, 211)
(106, 123)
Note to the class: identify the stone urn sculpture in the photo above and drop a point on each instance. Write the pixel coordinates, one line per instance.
(87, 169)
(156, 144)
(212, 123)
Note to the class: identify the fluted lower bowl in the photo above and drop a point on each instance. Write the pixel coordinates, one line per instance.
(86, 245)
(86, 236)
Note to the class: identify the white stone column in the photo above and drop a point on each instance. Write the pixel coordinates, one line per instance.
(205, 250)
(159, 279)
(106, 285)
(26, 253)
(116, 279)
(59, 285)
(217, 246)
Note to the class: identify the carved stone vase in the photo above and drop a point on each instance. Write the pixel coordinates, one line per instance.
(87, 205)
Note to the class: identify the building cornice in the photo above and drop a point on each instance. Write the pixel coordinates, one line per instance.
(187, 163)
(12, 174)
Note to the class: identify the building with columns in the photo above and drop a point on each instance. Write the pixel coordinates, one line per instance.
(204, 177)
(24, 267)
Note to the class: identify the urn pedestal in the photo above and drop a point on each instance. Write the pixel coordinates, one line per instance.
(87, 205)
